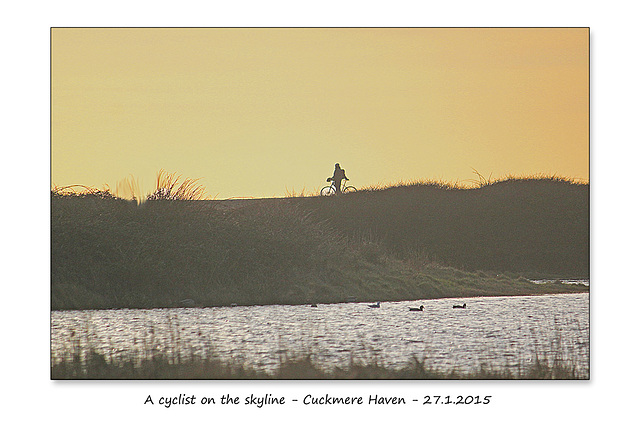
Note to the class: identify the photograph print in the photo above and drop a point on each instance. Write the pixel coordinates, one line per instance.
(320, 203)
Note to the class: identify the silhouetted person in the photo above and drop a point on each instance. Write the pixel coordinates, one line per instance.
(338, 176)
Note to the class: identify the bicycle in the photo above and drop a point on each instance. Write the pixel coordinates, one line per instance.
(330, 190)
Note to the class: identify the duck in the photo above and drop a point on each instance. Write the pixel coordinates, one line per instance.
(376, 305)
(313, 305)
(416, 309)
(461, 306)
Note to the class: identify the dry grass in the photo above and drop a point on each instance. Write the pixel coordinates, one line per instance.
(480, 182)
(129, 188)
(303, 193)
(90, 364)
(78, 190)
(171, 186)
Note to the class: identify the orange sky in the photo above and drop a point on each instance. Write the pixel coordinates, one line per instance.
(257, 112)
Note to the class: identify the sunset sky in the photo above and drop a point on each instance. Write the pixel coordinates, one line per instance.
(263, 112)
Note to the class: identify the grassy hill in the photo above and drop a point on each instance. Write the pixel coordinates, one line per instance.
(405, 242)
(536, 227)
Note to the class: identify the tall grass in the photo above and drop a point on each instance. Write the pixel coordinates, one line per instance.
(129, 188)
(149, 363)
(171, 186)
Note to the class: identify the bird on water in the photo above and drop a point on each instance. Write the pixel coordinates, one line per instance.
(416, 309)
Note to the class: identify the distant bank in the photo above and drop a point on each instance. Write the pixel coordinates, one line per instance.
(403, 242)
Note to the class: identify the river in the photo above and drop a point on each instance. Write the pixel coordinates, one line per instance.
(501, 332)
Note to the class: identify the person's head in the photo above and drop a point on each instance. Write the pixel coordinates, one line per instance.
(337, 165)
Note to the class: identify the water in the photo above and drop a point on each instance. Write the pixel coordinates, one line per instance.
(503, 332)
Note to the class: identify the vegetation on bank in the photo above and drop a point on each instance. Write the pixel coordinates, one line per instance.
(100, 367)
(413, 241)
(91, 364)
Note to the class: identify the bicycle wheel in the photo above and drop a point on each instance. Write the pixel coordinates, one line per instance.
(328, 190)
(349, 189)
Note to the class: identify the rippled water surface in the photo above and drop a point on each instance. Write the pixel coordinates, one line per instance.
(496, 331)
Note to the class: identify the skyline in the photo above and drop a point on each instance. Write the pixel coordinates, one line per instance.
(263, 112)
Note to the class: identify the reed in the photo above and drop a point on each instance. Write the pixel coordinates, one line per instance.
(94, 365)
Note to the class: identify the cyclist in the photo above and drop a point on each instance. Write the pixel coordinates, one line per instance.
(338, 176)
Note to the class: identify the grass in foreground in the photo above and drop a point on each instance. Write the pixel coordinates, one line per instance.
(97, 366)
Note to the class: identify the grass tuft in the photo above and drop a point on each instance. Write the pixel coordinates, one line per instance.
(129, 188)
(171, 186)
